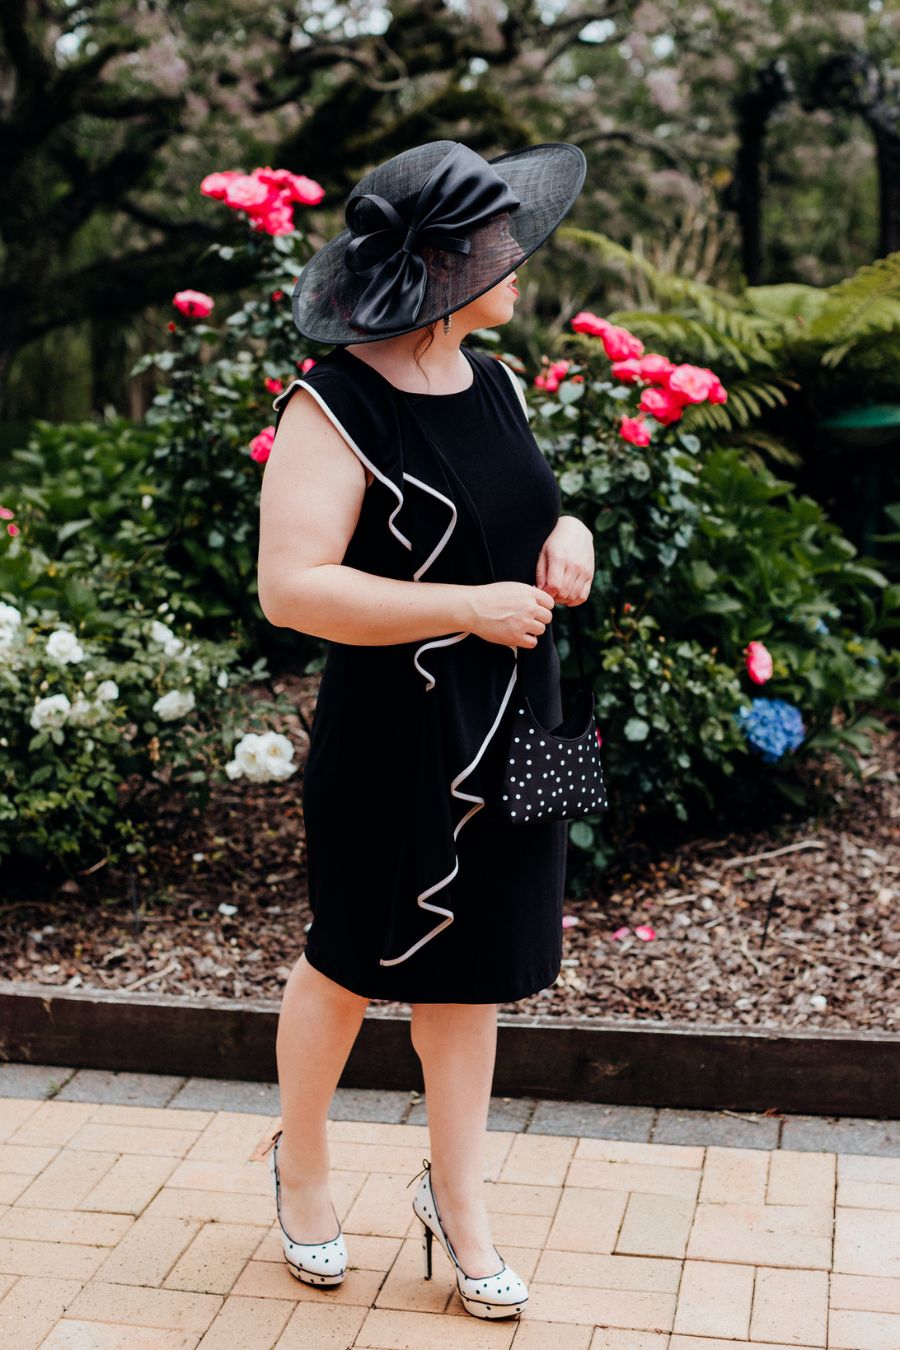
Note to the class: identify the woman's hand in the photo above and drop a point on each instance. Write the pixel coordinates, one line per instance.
(566, 565)
(508, 612)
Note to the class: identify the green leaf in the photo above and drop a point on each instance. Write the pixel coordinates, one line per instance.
(581, 834)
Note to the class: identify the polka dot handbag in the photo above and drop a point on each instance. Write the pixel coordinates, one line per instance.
(554, 773)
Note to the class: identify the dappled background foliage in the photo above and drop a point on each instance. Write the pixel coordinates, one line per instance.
(725, 143)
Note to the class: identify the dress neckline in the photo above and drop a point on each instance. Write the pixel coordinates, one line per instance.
(414, 393)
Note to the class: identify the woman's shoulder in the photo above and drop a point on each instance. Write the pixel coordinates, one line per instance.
(504, 373)
(342, 397)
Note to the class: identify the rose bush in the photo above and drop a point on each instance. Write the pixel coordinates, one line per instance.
(93, 727)
(712, 580)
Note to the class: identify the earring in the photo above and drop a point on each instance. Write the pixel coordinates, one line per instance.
(447, 318)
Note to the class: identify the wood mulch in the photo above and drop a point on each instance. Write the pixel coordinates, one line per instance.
(795, 924)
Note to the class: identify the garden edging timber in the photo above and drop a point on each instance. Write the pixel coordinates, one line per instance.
(813, 1072)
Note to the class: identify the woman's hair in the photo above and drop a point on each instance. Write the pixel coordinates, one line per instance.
(427, 333)
(438, 265)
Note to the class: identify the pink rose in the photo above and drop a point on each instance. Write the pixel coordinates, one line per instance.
(195, 304)
(296, 186)
(694, 383)
(245, 192)
(306, 191)
(586, 322)
(13, 530)
(627, 371)
(304, 366)
(5, 513)
(644, 932)
(215, 184)
(553, 376)
(759, 662)
(662, 404)
(619, 344)
(718, 393)
(278, 219)
(261, 445)
(656, 367)
(635, 430)
(273, 384)
(266, 195)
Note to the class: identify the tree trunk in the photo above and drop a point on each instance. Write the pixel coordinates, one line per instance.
(754, 109)
(855, 83)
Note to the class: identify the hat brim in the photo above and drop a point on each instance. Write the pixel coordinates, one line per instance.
(546, 178)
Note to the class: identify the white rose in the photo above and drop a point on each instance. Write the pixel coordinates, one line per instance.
(233, 769)
(146, 501)
(50, 712)
(263, 759)
(162, 633)
(10, 619)
(82, 712)
(64, 647)
(176, 703)
(276, 753)
(107, 691)
(222, 679)
(247, 753)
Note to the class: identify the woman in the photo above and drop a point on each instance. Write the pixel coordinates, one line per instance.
(409, 518)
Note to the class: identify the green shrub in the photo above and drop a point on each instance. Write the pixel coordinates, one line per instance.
(94, 726)
(698, 555)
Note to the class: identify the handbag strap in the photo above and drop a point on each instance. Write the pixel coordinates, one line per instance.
(576, 638)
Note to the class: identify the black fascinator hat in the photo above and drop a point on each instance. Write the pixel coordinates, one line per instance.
(428, 231)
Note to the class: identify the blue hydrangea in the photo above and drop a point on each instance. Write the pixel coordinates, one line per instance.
(772, 727)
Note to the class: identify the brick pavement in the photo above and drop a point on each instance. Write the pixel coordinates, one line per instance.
(131, 1216)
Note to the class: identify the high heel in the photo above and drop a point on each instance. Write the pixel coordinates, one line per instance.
(315, 1263)
(502, 1294)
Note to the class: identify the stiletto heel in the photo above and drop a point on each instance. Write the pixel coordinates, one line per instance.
(315, 1263)
(502, 1294)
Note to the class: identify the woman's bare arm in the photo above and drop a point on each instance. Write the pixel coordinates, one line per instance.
(312, 492)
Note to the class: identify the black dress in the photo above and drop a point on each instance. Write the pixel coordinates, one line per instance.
(418, 892)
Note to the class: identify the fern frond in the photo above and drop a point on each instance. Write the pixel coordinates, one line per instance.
(723, 315)
(744, 405)
(866, 302)
(774, 450)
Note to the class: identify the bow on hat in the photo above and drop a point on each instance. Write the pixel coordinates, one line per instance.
(461, 191)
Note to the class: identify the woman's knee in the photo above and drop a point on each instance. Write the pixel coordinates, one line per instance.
(330, 988)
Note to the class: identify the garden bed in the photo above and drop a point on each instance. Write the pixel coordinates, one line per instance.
(793, 926)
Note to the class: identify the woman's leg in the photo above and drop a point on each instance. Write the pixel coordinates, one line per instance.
(457, 1044)
(318, 1023)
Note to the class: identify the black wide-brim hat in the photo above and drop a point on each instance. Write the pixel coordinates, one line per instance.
(430, 230)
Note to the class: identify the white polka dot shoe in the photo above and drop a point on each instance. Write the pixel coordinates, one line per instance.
(502, 1294)
(312, 1262)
